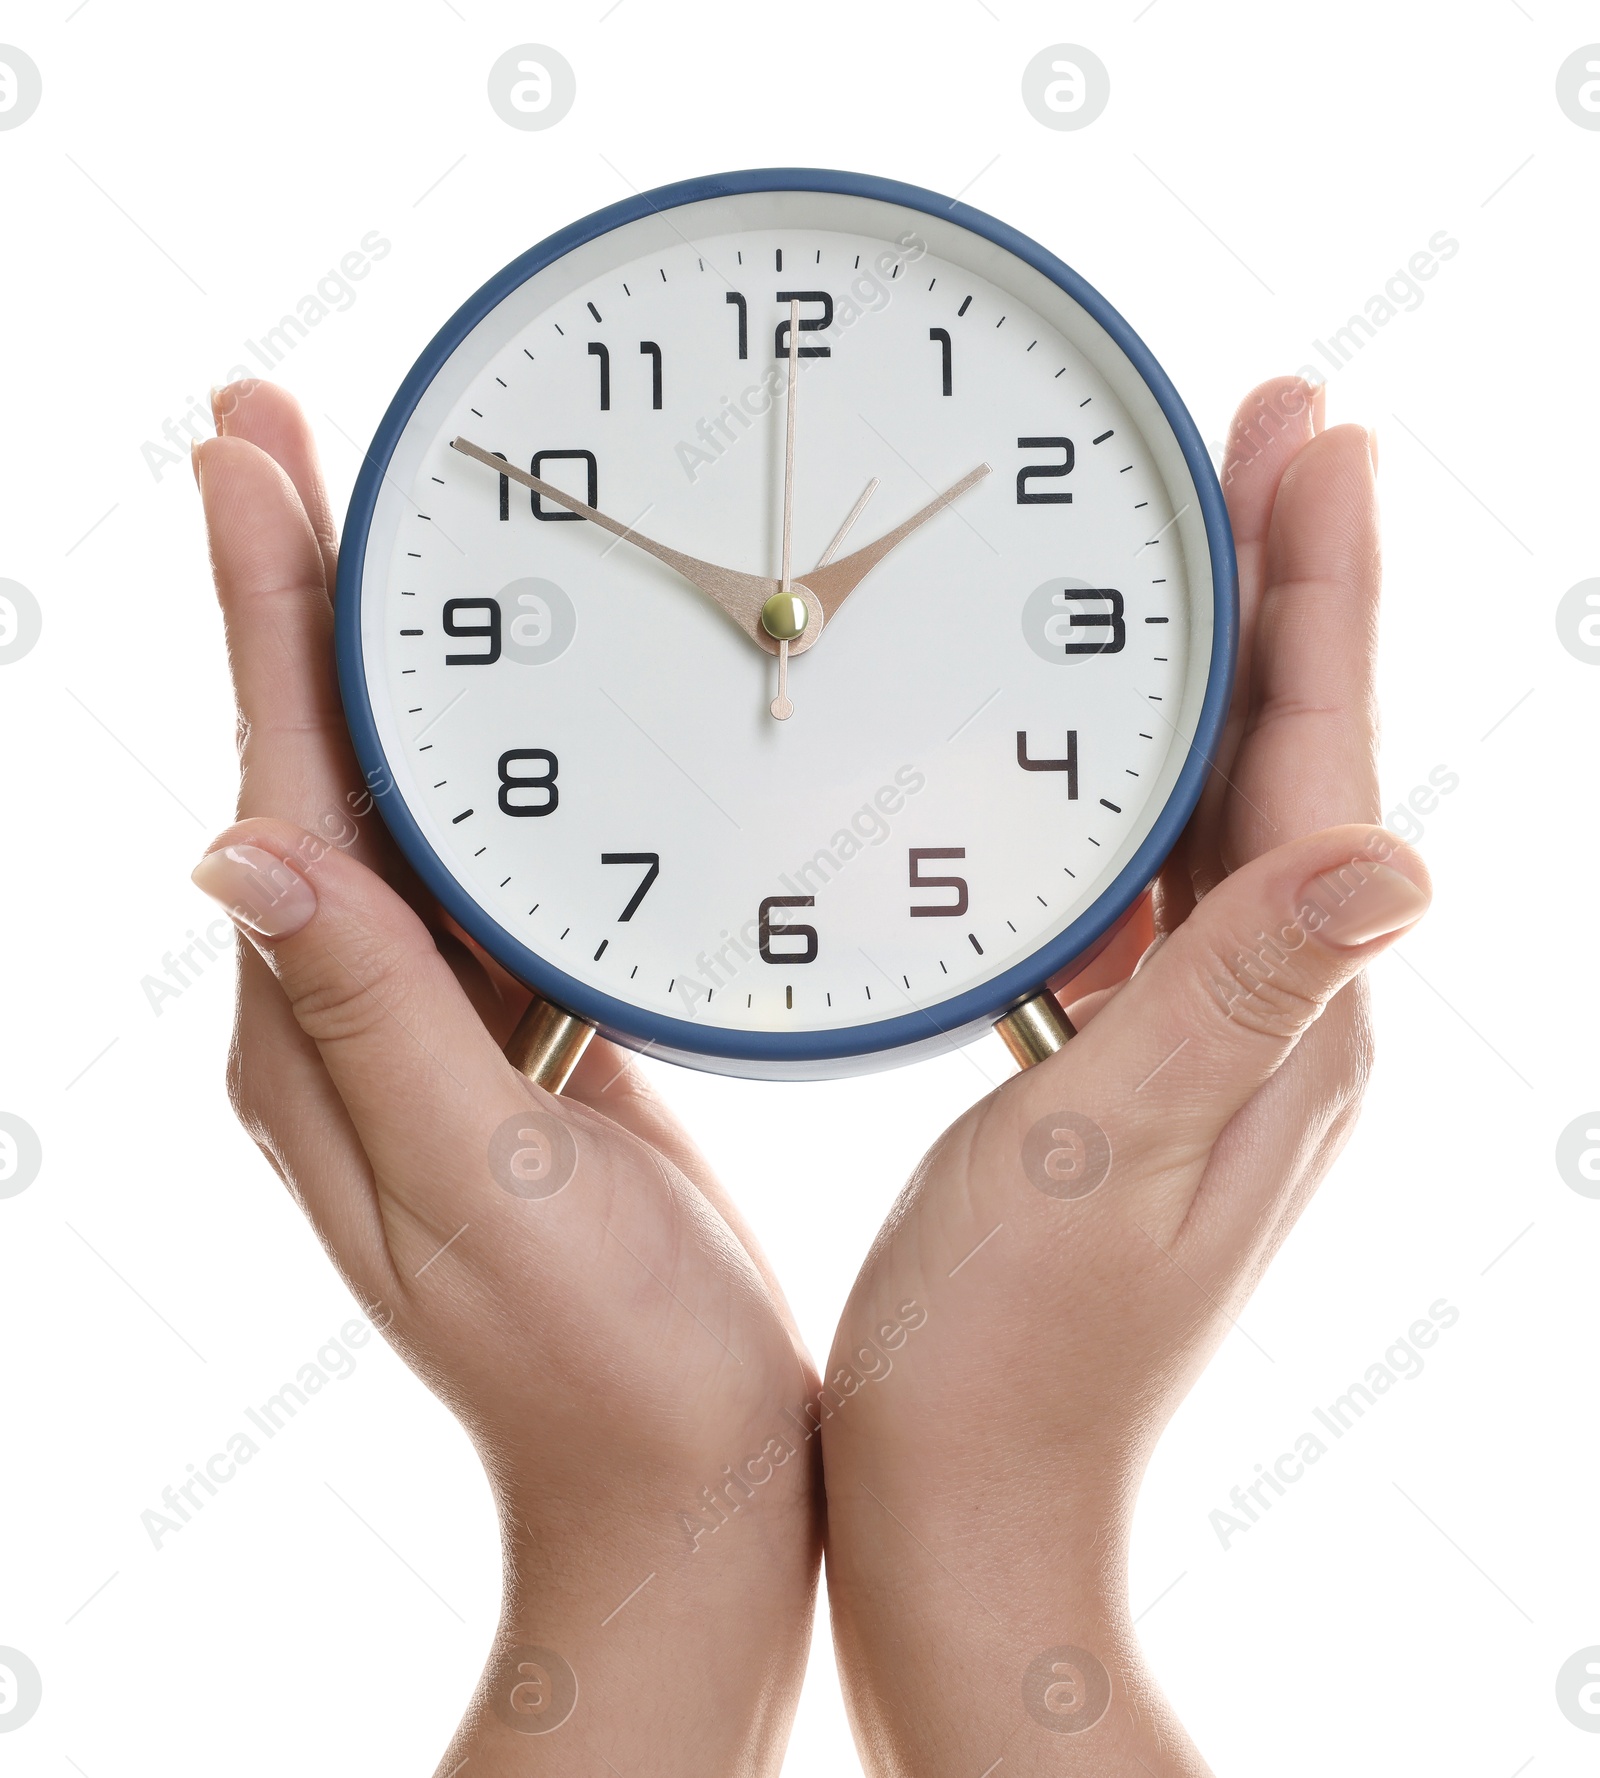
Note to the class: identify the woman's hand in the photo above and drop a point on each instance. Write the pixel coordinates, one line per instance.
(563, 1273)
(1079, 1242)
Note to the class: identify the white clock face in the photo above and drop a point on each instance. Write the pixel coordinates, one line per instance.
(983, 733)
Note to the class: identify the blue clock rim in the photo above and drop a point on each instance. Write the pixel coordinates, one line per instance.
(964, 1013)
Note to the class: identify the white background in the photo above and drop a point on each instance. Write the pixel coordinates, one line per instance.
(1259, 173)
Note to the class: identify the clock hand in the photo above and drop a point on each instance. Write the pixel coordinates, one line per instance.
(844, 530)
(741, 596)
(803, 628)
(785, 616)
(833, 585)
(790, 615)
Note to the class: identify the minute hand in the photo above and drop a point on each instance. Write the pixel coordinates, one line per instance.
(741, 596)
(835, 583)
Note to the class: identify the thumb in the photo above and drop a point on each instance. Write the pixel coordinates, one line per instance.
(1216, 1010)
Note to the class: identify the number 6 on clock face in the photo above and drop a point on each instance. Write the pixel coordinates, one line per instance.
(786, 619)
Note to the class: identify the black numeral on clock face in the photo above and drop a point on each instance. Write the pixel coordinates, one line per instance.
(1027, 496)
(536, 467)
(808, 324)
(586, 458)
(652, 863)
(539, 783)
(1069, 765)
(767, 932)
(738, 302)
(649, 349)
(919, 881)
(942, 336)
(603, 353)
(1110, 619)
(487, 632)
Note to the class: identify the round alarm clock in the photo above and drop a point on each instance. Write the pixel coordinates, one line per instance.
(786, 619)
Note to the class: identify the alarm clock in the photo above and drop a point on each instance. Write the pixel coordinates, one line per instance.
(786, 619)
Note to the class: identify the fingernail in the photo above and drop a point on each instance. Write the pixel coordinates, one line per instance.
(261, 892)
(1372, 448)
(1319, 407)
(194, 464)
(1362, 901)
(226, 399)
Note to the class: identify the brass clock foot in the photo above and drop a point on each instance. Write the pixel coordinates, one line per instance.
(547, 1043)
(1036, 1029)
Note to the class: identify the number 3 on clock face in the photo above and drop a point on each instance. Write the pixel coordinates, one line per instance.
(787, 715)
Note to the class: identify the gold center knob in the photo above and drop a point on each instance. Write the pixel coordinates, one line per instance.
(784, 617)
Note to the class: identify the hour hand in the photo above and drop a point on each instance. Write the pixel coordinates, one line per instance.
(835, 583)
(741, 596)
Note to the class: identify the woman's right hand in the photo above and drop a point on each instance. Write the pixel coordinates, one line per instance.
(563, 1272)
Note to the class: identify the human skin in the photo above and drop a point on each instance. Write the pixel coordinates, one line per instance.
(609, 1348)
(980, 1496)
(613, 1349)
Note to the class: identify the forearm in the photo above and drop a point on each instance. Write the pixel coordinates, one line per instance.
(630, 1644)
(985, 1618)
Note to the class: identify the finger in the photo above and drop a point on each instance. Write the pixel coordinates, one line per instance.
(295, 756)
(1272, 425)
(1117, 959)
(289, 1107)
(420, 1077)
(1269, 427)
(271, 419)
(1083, 1012)
(1083, 1009)
(1308, 756)
(1217, 1009)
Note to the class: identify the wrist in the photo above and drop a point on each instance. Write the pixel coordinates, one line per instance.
(980, 1611)
(617, 1621)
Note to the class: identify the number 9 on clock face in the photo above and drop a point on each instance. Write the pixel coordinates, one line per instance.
(786, 619)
